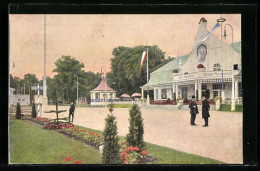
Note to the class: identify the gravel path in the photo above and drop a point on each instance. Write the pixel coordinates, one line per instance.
(222, 140)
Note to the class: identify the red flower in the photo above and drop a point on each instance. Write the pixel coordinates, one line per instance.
(77, 162)
(136, 149)
(125, 162)
(98, 135)
(127, 157)
(127, 150)
(84, 130)
(131, 148)
(67, 159)
(123, 154)
(144, 152)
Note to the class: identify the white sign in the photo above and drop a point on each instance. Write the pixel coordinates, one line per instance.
(217, 74)
(36, 87)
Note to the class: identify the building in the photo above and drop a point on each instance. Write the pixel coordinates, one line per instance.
(201, 71)
(102, 94)
(24, 100)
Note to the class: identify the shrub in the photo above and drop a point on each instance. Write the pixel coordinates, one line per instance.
(110, 154)
(111, 107)
(18, 111)
(136, 129)
(174, 96)
(33, 111)
(197, 94)
(218, 98)
(179, 98)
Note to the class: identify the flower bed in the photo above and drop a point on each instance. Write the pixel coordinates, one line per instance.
(88, 137)
(134, 155)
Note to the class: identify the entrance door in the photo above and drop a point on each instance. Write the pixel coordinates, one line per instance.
(184, 92)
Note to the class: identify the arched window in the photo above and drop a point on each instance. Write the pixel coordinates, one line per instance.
(217, 67)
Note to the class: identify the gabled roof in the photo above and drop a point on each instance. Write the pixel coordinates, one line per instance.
(163, 75)
(103, 86)
(237, 46)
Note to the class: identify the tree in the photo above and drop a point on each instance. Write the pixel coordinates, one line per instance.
(18, 111)
(33, 111)
(27, 82)
(124, 76)
(111, 154)
(136, 129)
(15, 83)
(55, 96)
(68, 68)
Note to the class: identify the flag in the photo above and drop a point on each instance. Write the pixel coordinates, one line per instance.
(217, 25)
(142, 60)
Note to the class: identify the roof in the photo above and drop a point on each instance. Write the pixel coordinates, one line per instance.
(103, 86)
(237, 46)
(163, 75)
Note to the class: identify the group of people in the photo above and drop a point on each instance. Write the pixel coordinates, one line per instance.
(194, 110)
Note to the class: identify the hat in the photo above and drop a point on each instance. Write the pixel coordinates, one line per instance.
(193, 96)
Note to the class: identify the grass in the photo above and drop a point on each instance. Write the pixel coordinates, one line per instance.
(89, 106)
(227, 108)
(48, 146)
(123, 105)
(29, 143)
(167, 155)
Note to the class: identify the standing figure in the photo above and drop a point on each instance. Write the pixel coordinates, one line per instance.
(205, 110)
(71, 111)
(193, 111)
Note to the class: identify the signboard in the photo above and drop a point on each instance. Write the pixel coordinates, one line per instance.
(36, 87)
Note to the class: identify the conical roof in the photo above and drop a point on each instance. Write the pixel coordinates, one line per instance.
(103, 86)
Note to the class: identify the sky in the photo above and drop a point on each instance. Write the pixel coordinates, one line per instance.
(91, 39)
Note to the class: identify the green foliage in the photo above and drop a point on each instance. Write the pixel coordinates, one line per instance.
(33, 111)
(110, 154)
(68, 68)
(239, 108)
(111, 107)
(218, 98)
(136, 129)
(124, 76)
(225, 107)
(18, 111)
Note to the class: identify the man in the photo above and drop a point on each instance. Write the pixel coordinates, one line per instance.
(205, 110)
(193, 111)
(71, 111)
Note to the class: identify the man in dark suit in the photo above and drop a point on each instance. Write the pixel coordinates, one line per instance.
(193, 111)
(71, 111)
(205, 110)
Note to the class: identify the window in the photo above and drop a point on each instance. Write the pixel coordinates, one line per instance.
(215, 94)
(156, 93)
(96, 95)
(218, 86)
(204, 87)
(163, 94)
(216, 67)
(240, 92)
(23, 99)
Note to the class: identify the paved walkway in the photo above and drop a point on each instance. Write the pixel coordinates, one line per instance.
(222, 140)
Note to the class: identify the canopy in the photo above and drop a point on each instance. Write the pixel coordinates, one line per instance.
(125, 95)
(136, 95)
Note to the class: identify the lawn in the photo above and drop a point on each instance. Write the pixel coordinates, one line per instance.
(29, 143)
(167, 155)
(227, 108)
(123, 105)
(48, 146)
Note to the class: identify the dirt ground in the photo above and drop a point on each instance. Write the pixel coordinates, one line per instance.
(222, 140)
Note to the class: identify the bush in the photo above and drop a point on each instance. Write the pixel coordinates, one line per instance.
(18, 111)
(179, 98)
(110, 154)
(33, 111)
(136, 129)
(197, 94)
(218, 98)
(174, 96)
(239, 108)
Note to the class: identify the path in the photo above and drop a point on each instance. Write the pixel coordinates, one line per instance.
(222, 140)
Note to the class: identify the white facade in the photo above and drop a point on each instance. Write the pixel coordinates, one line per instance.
(216, 56)
(18, 98)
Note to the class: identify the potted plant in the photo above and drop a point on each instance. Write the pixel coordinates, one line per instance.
(218, 101)
(175, 72)
(201, 67)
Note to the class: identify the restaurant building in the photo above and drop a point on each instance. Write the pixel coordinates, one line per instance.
(213, 67)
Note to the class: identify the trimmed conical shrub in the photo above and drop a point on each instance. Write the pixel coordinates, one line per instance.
(136, 128)
(33, 111)
(111, 154)
(18, 111)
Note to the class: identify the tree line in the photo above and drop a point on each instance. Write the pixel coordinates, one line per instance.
(124, 76)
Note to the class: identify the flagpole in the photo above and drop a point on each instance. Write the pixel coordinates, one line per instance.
(148, 99)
